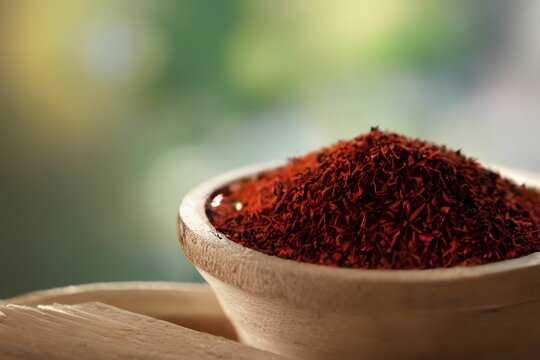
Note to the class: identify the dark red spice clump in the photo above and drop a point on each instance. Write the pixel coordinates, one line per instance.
(382, 201)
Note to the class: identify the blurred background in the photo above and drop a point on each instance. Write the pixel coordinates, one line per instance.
(110, 111)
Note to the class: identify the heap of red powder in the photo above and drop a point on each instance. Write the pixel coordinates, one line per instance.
(382, 201)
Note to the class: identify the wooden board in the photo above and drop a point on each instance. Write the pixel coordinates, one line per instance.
(99, 331)
(191, 305)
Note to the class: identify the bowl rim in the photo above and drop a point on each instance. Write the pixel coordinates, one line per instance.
(192, 215)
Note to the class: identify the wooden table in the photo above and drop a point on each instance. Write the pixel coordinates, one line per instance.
(120, 321)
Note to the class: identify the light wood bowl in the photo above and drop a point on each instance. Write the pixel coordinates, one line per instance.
(318, 312)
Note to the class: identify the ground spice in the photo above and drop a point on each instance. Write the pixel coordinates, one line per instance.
(382, 201)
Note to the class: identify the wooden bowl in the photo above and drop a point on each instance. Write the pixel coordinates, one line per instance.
(318, 312)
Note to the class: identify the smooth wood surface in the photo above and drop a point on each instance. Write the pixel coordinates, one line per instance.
(99, 331)
(191, 305)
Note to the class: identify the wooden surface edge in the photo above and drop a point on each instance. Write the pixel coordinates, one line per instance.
(192, 305)
(96, 331)
(37, 297)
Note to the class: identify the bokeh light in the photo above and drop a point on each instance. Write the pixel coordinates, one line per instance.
(112, 110)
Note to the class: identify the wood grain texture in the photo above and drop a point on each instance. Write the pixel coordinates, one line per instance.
(99, 331)
(190, 305)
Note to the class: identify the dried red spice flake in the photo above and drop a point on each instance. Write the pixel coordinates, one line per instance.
(382, 201)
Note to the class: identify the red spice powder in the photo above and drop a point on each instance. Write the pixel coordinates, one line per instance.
(382, 201)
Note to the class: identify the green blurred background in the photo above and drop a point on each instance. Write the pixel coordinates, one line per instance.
(110, 111)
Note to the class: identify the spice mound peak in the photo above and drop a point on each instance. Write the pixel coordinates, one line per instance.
(382, 201)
